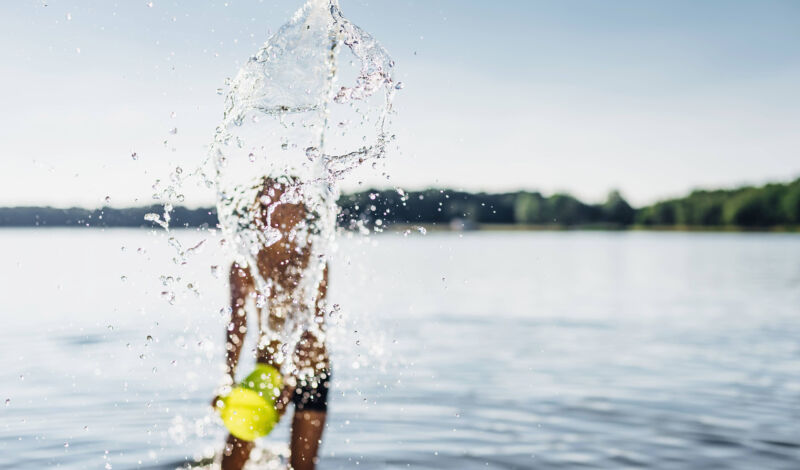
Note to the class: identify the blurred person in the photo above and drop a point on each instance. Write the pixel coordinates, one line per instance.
(282, 265)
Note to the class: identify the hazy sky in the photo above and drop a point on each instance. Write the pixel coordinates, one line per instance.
(653, 98)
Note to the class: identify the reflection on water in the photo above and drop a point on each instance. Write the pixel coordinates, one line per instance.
(533, 350)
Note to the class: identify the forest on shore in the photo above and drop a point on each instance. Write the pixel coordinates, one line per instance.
(775, 205)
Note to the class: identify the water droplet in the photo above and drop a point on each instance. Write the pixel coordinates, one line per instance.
(66, 445)
(312, 153)
(399, 86)
(252, 157)
(8, 401)
(69, 16)
(169, 296)
(149, 4)
(108, 199)
(134, 156)
(123, 278)
(173, 131)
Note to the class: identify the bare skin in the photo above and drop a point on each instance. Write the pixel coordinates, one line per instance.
(284, 264)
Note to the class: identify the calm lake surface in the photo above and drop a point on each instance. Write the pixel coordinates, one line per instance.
(487, 350)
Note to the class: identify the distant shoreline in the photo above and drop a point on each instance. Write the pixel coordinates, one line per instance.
(591, 228)
(770, 208)
(498, 228)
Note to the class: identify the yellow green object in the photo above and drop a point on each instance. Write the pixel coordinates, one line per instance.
(249, 410)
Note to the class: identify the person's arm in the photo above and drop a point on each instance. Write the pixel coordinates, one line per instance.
(241, 284)
(310, 351)
(322, 294)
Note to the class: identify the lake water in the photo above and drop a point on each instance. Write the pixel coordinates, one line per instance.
(487, 350)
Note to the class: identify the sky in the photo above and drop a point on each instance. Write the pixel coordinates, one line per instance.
(581, 96)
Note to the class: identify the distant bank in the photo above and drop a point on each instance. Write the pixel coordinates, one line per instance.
(770, 207)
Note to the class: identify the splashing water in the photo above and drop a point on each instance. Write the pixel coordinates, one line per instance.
(278, 111)
(309, 107)
(288, 119)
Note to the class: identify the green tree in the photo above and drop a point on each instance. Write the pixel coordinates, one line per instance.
(567, 210)
(746, 209)
(791, 203)
(617, 210)
(706, 207)
(664, 213)
(530, 208)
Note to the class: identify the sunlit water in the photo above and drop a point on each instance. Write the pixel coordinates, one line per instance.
(529, 350)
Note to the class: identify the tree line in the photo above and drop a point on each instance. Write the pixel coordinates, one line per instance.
(445, 206)
(751, 207)
(103, 217)
(767, 206)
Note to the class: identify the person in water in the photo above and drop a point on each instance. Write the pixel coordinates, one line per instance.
(283, 266)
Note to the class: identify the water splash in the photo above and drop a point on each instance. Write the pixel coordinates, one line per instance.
(300, 115)
(278, 110)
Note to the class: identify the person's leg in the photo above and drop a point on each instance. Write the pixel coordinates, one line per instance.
(307, 428)
(310, 397)
(236, 453)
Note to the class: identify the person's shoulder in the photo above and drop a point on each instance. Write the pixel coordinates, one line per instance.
(239, 271)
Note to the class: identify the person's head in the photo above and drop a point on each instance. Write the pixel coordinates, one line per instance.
(282, 214)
